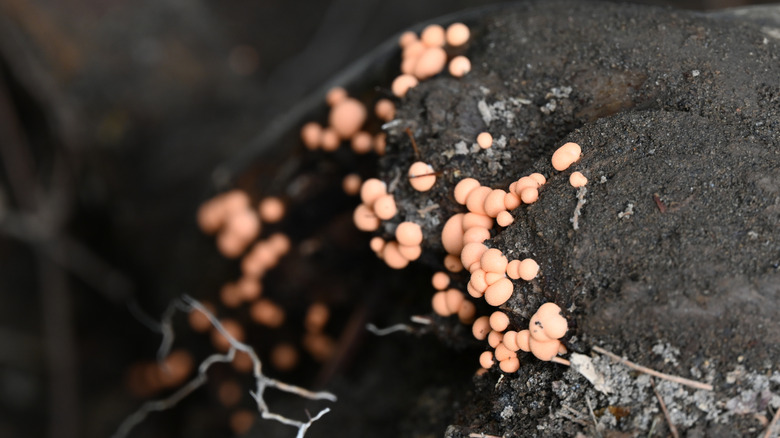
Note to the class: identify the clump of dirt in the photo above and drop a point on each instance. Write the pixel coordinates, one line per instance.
(677, 241)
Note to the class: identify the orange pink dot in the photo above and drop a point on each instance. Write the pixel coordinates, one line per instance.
(402, 84)
(271, 209)
(347, 117)
(463, 188)
(430, 63)
(459, 66)
(457, 34)
(484, 140)
(577, 179)
(421, 176)
(433, 35)
(565, 156)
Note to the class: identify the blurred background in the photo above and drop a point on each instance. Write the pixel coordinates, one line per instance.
(114, 116)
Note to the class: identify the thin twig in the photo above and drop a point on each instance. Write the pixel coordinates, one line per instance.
(302, 430)
(435, 173)
(166, 327)
(672, 429)
(772, 425)
(651, 432)
(167, 403)
(593, 417)
(388, 330)
(414, 143)
(761, 418)
(391, 124)
(659, 203)
(574, 411)
(574, 415)
(652, 372)
(574, 419)
(424, 320)
(395, 181)
(262, 382)
(423, 211)
(141, 316)
(483, 435)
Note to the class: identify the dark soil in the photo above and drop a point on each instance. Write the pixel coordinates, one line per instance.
(675, 263)
(679, 120)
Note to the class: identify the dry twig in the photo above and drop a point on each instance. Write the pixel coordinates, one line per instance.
(672, 429)
(500, 379)
(388, 330)
(414, 143)
(423, 211)
(593, 417)
(574, 415)
(772, 425)
(160, 405)
(652, 372)
(262, 382)
(166, 328)
(424, 320)
(579, 414)
(574, 419)
(659, 203)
